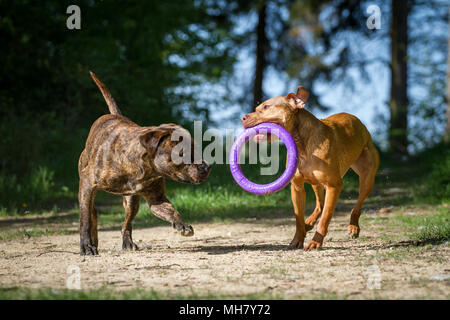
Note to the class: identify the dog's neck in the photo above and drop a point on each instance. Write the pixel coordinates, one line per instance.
(304, 126)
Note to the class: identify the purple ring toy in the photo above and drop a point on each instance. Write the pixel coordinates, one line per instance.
(287, 175)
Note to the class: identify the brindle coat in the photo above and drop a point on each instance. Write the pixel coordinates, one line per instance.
(124, 158)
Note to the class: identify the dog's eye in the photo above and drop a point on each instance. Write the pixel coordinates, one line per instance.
(265, 107)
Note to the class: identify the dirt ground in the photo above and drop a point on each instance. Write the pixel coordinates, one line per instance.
(246, 257)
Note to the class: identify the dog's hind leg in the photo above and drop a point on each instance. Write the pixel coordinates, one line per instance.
(319, 191)
(88, 219)
(366, 167)
(131, 206)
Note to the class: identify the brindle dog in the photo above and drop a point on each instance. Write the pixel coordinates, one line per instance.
(123, 158)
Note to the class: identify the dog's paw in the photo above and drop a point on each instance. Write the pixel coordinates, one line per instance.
(86, 248)
(308, 227)
(353, 231)
(296, 244)
(313, 245)
(127, 244)
(186, 231)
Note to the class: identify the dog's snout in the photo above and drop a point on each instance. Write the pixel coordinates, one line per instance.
(244, 118)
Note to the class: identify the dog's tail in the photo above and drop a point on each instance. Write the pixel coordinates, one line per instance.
(113, 108)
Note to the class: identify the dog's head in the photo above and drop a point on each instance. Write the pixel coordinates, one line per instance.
(278, 110)
(160, 143)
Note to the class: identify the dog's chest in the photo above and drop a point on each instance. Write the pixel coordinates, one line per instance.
(308, 176)
(308, 171)
(125, 185)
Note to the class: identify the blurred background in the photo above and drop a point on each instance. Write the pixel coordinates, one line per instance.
(179, 61)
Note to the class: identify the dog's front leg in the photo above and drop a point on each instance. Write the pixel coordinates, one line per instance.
(164, 210)
(331, 198)
(319, 191)
(298, 197)
(161, 207)
(88, 219)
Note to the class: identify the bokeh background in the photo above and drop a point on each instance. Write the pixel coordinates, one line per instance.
(179, 61)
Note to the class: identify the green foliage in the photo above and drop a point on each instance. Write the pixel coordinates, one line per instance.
(19, 194)
(434, 184)
(41, 182)
(161, 61)
(439, 180)
(154, 56)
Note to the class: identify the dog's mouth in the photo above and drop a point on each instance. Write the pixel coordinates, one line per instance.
(265, 138)
(185, 180)
(202, 175)
(249, 124)
(196, 178)
(260, 137)
(192, 180)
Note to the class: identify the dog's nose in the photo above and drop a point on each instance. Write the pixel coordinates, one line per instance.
(204, 167)
(245, 117)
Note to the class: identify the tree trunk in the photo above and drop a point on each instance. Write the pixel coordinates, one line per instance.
(398, 138)
(447, 127)
(261, 47)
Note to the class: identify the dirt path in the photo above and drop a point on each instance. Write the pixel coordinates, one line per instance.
(236, 259)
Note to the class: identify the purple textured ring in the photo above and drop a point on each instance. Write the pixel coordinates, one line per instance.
(287, 175)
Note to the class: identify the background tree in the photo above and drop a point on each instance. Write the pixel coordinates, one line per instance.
(398, 104)
(427, 70)
(178, 61)
(155, 57)
(261, 52)
(332, 47)
(447, 127)
(265, 40)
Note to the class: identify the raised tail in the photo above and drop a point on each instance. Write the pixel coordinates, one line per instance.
(113, 108)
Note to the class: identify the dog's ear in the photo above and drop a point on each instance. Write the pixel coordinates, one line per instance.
(302, 93)
(152, 138)
(295, 101)
(298, 100)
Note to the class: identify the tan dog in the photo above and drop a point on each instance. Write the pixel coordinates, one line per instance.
(326, 149)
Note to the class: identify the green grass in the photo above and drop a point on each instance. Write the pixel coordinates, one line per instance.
(435, 228)
(27, 233)
(425, 179)
(221, 199)
(109, 293)
(431, 228)
(218, 198)
(433, 170)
